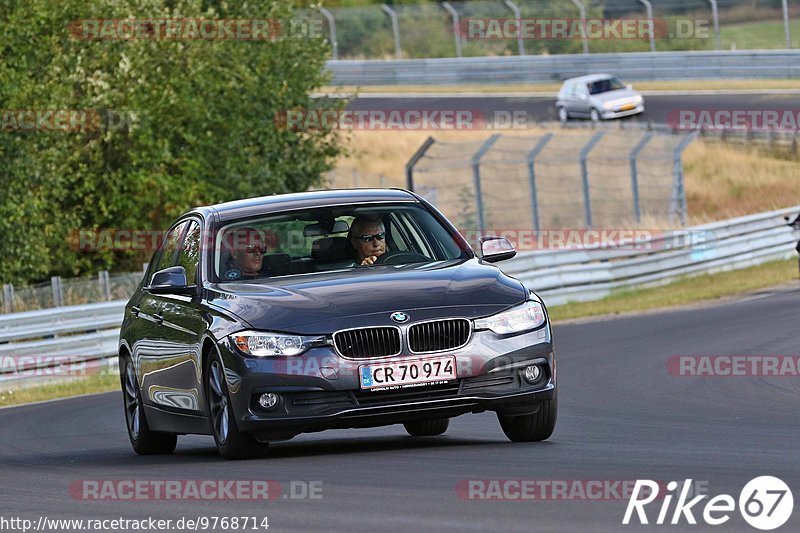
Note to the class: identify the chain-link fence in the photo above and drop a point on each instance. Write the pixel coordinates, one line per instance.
(103, 287)
(555, 178)
(486, 27)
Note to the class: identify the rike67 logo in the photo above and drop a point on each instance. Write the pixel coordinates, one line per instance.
(765, 503)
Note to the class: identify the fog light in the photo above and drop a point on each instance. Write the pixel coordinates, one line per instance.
(532, 373)
(268, 400)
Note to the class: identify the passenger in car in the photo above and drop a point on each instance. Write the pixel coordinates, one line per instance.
(368, 238)
(246, 247)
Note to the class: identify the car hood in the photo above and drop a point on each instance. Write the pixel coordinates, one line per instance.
(326, 302)
(620, 94)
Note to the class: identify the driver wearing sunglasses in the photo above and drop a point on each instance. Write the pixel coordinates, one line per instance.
(368, 238)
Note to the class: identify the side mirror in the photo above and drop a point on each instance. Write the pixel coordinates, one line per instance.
(494, 249)
(170, 280)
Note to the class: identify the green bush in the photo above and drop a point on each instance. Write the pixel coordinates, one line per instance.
(199, 126)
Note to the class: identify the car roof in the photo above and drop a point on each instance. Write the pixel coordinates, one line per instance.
(303, 200)
(589, 78)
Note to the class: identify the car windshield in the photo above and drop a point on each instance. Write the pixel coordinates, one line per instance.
(605, 85)
(331, 239)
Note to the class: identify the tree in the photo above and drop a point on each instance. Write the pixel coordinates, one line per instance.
(173, 124)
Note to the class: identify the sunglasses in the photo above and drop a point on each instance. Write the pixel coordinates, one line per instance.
(255, 249)
(368, 238)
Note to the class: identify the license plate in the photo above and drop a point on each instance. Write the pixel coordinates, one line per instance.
(627, 107)
(402, 374)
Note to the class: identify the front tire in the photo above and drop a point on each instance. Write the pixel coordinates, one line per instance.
(143, 440)
(594, 116)
(531, 428)
(427, 428)
(231, 443)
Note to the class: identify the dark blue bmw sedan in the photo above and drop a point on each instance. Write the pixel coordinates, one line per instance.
(264, 318)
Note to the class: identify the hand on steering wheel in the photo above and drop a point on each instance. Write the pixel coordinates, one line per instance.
(399, 257)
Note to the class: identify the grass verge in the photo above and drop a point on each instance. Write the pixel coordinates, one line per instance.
(707, 287)
(65, 389)
(685, 291)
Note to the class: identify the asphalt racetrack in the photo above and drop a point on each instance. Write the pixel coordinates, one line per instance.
(660, 108)
(622, 416)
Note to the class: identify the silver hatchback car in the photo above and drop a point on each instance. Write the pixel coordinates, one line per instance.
(596, 97)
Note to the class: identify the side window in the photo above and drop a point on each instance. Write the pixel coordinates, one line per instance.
(170, 247)
(189, 256)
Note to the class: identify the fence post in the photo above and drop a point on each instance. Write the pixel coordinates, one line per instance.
(398, 52)
(787, 32)
(587, 199)
(584, 36)
(8, 298)
(649, 7)
(332, 28)
(456, 28)
(518, 15)
(421, 151)
(105, 284)
(678, 204)
(715, 17)
(635, 175)
(532, 155)
(58, 295)
(476, 176)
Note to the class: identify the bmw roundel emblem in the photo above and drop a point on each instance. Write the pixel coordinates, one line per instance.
(399, 317)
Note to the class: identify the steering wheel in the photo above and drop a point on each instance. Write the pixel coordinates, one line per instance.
(399, 257)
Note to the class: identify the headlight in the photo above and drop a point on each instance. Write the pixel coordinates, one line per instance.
(264, 344)
(608, 105)
(638, 99)
(527, 316)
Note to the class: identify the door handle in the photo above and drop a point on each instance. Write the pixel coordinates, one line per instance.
(135, 310)
(159, 319)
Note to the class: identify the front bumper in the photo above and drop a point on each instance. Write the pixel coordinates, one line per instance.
(321, 390)
(612, 114)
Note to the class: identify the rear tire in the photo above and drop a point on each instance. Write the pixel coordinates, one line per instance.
(143, 440)
(427, 428)
(231, 443)
(531, 428)
(563, 114)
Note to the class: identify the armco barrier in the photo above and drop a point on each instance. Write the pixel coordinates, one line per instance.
(561, 276)
(89, 332)
(631, 66)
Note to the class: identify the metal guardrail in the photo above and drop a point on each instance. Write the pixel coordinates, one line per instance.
(73, 335)
(90, 332)
(632, 66)
(562, 276)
